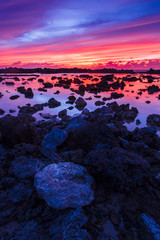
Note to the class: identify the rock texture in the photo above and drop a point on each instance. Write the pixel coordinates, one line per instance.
(64, 185)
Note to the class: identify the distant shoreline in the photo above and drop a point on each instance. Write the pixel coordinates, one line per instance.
(71, 70)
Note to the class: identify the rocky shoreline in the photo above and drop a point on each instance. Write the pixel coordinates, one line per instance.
(81, 177)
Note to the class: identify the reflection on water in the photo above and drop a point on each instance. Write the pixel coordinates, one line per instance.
(130, 92)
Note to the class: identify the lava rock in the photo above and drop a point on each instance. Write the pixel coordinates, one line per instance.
(154, 120)
(64, 185)
(23, 167)
(53, 103)
(14, 97)
(69, 226)
(48, 85)
(16, 130)
(52, 140)
(80, 103)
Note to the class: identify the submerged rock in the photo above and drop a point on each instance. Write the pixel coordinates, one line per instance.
(64, 185)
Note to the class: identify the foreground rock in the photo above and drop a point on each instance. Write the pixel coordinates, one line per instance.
(16, 130)
(23, 167)
(52, 140)
(154, 120)
(64, 185)
(42, 181)
(116, 167)
(149, 228)
(69, 226)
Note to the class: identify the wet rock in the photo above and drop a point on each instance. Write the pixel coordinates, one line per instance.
(52, 140)
(9, 83)
(107, 78)
(1, 95)
(154, 120)
(75, 156)
(31, 110)
(40, 80)
(118, 168)
(77, 81)
(21, 90)
(85, 114)
(99, 103)
(1, 111)
(48, 85)
(149, 78)
(138, 122)
(25, 168)
(115, 95)
(76, 122)
(72, 98)
(62, 113)
(152, 89)
(8, 182)
(53, 103)
(64, 185)
(20, 192)
(12, 111)
(53, 78)
(31, 230)
(71, 108)
(97, 96)
(116, 85)
(48, 116)
(29, 93)
(82, 132)
(42, 90)
(69, 226)
(80, 103)
(31, 79)
(110, 231)
(89, 98)
(82, 88)
(85, 76)
(148, 136)
(57, 92)
(26, 150)
(16, 130)
(130, 79)
(149, 229)
(14, 97)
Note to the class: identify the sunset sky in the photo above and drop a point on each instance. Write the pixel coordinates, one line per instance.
(80, 33)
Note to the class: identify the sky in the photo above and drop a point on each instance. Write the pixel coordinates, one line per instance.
(80, 33)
